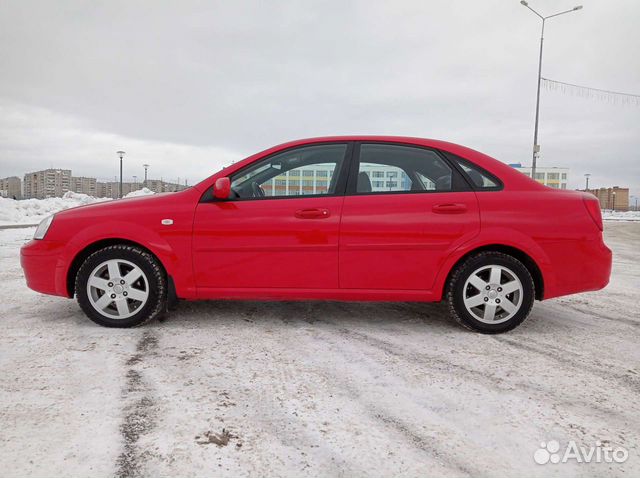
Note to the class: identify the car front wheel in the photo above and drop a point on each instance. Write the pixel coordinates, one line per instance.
(491, 292)
(121, 286)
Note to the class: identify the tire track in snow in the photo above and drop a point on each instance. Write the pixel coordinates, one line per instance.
(139, 412)
(491, 381)
(573, 360)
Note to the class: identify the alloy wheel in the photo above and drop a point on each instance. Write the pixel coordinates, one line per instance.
(493, 294)
(117, 289)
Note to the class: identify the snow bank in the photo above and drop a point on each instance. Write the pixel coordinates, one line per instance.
(32, 211)
(621, 215)
(139, 192)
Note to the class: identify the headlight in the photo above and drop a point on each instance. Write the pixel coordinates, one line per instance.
(43, 227)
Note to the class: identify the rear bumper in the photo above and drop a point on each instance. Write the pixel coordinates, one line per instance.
(43, 267)
(584, 266)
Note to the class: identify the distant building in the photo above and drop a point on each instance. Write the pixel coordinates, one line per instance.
(549, 176)
(160, 186)
(106, 190)
(84, 185)
(47, 183)
(612, 198)
(11, 187)
(111, 189)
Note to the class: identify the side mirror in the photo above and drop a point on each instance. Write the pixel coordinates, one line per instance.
(222, 188)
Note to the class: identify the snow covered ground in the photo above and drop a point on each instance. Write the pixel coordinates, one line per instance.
(609, 215)
(308, 389)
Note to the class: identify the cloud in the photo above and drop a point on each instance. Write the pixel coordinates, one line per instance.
(35, 138)
(188, 81)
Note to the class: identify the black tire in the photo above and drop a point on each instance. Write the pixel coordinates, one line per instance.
(153, 271)
(456, 291)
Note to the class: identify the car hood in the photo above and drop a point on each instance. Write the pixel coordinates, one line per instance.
(106, 208)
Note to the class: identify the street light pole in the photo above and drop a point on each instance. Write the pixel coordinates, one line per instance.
(121, 154)
(145, 166)
(587, 178)
(536, 146)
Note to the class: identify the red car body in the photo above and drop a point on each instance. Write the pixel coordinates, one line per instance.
(390, 247)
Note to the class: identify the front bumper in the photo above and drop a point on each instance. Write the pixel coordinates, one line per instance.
(43, 267)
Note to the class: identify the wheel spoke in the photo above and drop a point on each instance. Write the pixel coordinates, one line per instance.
(137, 294)
(474, 301)
(478, 283)
(114, 270)
(103, 302)
(510, 287)
(496, 274)
(98, 283)
(489, 311)
(508, 306)
(123, 306)
(133, 275)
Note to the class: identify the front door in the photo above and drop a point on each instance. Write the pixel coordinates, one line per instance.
(405, 209)
(280, 227)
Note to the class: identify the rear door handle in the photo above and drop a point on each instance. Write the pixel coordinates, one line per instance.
(315, 213)
(449, 208)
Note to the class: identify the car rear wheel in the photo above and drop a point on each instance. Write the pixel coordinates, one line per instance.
(491, 292)
(121, 286)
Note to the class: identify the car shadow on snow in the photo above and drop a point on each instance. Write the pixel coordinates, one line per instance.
(433, 316)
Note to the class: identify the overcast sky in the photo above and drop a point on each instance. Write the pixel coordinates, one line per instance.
(190, 86)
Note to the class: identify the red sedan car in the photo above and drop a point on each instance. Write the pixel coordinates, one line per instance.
(336, 218)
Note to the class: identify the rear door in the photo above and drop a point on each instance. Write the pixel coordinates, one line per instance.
(405, 210)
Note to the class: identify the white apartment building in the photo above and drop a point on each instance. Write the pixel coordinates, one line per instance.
(11, 187)
(553, 177)
(47, 183)
(80, 184)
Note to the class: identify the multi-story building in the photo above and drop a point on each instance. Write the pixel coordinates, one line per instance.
(105, 189)
(111, 189)
(160, 186)
(80, 184)
(549, 176)
(612, 198)
(11, 187)
(47, 183)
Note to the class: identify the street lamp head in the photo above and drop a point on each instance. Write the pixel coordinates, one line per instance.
(577, 7)
(120, 153)
(523, 2)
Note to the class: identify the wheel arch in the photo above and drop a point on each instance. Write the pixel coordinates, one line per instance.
(89, 249)
(526, 259)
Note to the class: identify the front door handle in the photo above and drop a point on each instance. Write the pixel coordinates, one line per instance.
(449, 208)
(315, 213)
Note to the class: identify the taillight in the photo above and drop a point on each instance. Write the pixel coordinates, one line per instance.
(593, 206)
